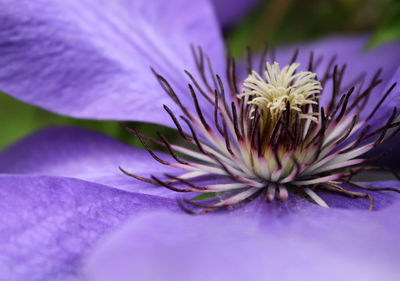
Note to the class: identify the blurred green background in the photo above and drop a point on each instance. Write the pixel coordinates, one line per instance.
(275, 21)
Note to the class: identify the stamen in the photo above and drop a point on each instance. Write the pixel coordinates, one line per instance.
(279, 88)
(273, 137)
(271, 192)
(315, 197)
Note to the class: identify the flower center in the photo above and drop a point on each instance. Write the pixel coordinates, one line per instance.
(281, 90)
(272, 138)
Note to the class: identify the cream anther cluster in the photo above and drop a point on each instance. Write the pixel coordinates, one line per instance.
(281, 87)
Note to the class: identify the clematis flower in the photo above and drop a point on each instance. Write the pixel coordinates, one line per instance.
(69, 213)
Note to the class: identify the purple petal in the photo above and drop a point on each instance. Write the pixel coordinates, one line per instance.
(230, 12)
(48, 223)
(91, 156)
(304, 244)
(92, 59)
(381, 199)
(393, 99)
(391, 159)
(82, 154)
(350, 51)
(94, 157)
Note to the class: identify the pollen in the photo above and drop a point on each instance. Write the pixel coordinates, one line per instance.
(281, 90)
(269, 135)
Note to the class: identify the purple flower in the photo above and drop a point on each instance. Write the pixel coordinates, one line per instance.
(62, 190)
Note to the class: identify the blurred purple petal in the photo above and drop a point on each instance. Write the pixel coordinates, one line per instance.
(48, 223)
(350, 51)
(303, 244)
(230, 12)
(92, 59)
(82, 154)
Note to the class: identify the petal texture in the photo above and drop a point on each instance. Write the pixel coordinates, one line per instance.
(82, 154)
(230, 12)
(92, 58)
(48, 223)
(307, 245)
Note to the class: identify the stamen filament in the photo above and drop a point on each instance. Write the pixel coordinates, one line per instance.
(272, 138)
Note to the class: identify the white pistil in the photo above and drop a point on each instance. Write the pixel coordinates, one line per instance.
(283, 193)
(271, 192)
(238, 197)
(315, 197)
